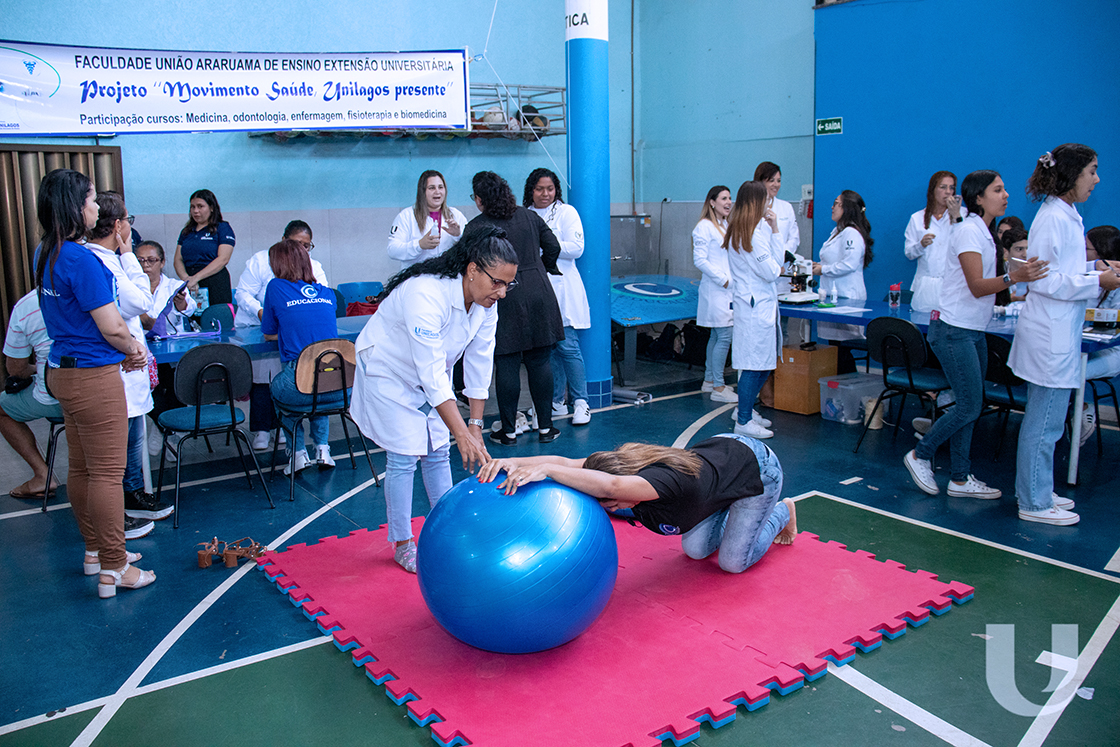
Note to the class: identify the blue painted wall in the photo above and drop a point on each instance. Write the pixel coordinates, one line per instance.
(942, 84)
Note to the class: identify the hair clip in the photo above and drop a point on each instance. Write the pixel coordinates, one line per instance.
(1046, 160)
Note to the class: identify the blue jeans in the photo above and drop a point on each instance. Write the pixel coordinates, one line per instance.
(1043, 423)
(568, 372)
(964, 358)
(750, 384)
(744, 531)
(284, 391)
(1104, 364)
(134, 468)
(400, 469)
(718, 344)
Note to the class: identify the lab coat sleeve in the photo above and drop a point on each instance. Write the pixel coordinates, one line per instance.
(320, 274)
(851, 257)
(912, 239)
(703, 243)
(793, 241)
(424, 317)
(762, 261)
(478, 358)
(1042, 243)
(569, 232)
(402, 245)
(135, 288)
(250, 287)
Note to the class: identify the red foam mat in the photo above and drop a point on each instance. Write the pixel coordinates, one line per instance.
(680, 641)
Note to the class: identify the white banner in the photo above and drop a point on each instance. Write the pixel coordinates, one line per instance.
(53, 90)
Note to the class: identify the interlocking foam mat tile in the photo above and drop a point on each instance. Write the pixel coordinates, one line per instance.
(681, 642)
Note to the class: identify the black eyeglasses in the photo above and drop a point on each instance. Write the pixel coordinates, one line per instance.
(131, 220)
(148, 260)
(308, 246)
(500, 283)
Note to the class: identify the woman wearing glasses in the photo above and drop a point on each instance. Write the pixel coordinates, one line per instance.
(250, 304)
(434, 313)
(529, 321)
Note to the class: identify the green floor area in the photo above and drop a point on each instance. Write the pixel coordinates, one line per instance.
(316, 696)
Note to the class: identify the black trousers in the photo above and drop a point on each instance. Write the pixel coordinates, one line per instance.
(507, 381)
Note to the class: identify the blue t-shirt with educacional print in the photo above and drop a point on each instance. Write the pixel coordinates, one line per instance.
(200, 248)
(77, 284)
(300, 313)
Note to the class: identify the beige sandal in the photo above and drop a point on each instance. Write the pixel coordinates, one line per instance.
(106, 590)
(93, 565)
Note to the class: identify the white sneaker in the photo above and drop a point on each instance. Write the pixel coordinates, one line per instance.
(1054, 516)
(581, 412)
(302, 460)
(764, 422)
(973, 488)
(707, 386)
(559, 409)
(724, 394)
(282, 439)
(922, 472)
(261, 440)
(1063, 503)
(753, 430)
(922, 425)
(323, 456)
(1088, 424)
(521, 425)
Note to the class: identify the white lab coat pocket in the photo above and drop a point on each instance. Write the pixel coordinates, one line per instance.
(1061, 335)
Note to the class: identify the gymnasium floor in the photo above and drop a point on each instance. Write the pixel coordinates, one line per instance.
(217, 656)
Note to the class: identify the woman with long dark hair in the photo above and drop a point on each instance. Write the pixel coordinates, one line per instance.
(1046, 352)
(204, 248)
(430, 227)
(722, 494)
(434, 313)
(927, 238)
(714, 306)
(91, 344)
(957, 334)
(529, 321)
(770, 175)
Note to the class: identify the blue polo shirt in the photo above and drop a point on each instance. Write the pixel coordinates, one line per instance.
(300, 313)
(200, 248)
(78, 283)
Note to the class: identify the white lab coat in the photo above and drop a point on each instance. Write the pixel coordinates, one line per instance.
(1047, 345)
(931, 259)
(757, 335)
(570, 293)
(249, 296)
(162, 294)
(842, 269)
(134, 297)
(405, 235)
(711, 259)
(405, 355)
(790, 236)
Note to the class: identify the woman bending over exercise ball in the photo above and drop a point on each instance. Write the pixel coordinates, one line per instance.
(544, 196)
(957, 333)
(204, 248)
(927, 238)
(91, 345)
(429, 227)
(722, 494)
(754, 255)
(1046, 352)
(714, 308)
(434, 313)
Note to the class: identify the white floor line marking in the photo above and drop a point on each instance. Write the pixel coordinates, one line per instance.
(132, 684)
(1044, 723)
(164, 684)
(1114, 564)
(910, 711)
(690, 431)
(961, 535)
(32, 511)
(851, 481)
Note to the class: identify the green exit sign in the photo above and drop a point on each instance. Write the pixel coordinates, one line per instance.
(830, 126)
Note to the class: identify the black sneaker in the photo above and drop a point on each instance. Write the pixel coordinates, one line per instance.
(137, 528)
(501, 437)
(141, 505)
(548, 435)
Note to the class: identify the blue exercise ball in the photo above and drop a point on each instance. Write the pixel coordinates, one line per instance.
(519, 573)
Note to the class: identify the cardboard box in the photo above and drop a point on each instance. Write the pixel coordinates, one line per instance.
(796, 387)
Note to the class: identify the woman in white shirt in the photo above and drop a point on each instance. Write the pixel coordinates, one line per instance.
(770, 174)
(957, 333)
(714, 308)
(430, 227)
(545, 197)
(927, 238)
(754, 252)
(251, 287)
(433, 314)
(1046, 351)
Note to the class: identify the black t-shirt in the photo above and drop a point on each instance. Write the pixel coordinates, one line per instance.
(729, 472)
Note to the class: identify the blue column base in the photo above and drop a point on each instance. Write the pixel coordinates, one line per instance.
(599, 393)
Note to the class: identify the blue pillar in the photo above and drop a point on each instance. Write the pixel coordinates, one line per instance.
(589, 178)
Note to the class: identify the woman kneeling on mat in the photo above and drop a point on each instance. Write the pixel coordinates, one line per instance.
(723, 493)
